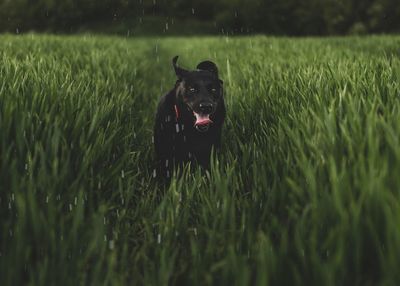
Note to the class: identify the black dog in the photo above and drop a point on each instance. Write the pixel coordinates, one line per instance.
(189, 119)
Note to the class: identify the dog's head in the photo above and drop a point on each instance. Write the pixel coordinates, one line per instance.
(200, 90)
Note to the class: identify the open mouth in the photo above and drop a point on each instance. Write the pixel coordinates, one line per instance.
(203, 122)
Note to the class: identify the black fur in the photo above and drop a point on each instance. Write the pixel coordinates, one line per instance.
(176, 139)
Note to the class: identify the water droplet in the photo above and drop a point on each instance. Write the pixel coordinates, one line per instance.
(166, 163)
(76, 200)
(159, 238)
(177, 128)
(193, 11)
(70, 207)
(122, 174)
(154, 173)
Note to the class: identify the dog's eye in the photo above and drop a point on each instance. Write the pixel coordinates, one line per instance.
(214, 90)
(192, 89)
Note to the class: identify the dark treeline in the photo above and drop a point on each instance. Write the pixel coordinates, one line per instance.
(283, 17)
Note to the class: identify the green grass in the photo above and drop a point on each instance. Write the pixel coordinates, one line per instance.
(306, 190)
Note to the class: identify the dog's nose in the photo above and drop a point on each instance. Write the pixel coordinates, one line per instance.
(206, 108)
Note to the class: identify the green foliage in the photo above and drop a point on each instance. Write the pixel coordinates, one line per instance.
(284, 17)
(305, 191)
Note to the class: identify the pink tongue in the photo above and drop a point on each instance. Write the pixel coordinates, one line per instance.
(202, 119)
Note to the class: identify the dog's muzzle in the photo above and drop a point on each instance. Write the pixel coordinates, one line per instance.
(203, 122)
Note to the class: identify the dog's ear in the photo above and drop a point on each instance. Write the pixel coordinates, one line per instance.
(208, 66)
(180, 72)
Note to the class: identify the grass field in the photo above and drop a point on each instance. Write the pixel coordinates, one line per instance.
(306, 190)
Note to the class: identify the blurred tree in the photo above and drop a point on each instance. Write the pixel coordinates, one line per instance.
(289, 17)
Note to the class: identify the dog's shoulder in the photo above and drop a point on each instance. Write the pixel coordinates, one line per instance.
(166, 104)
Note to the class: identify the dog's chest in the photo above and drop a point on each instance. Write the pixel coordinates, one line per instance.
(187, 141)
